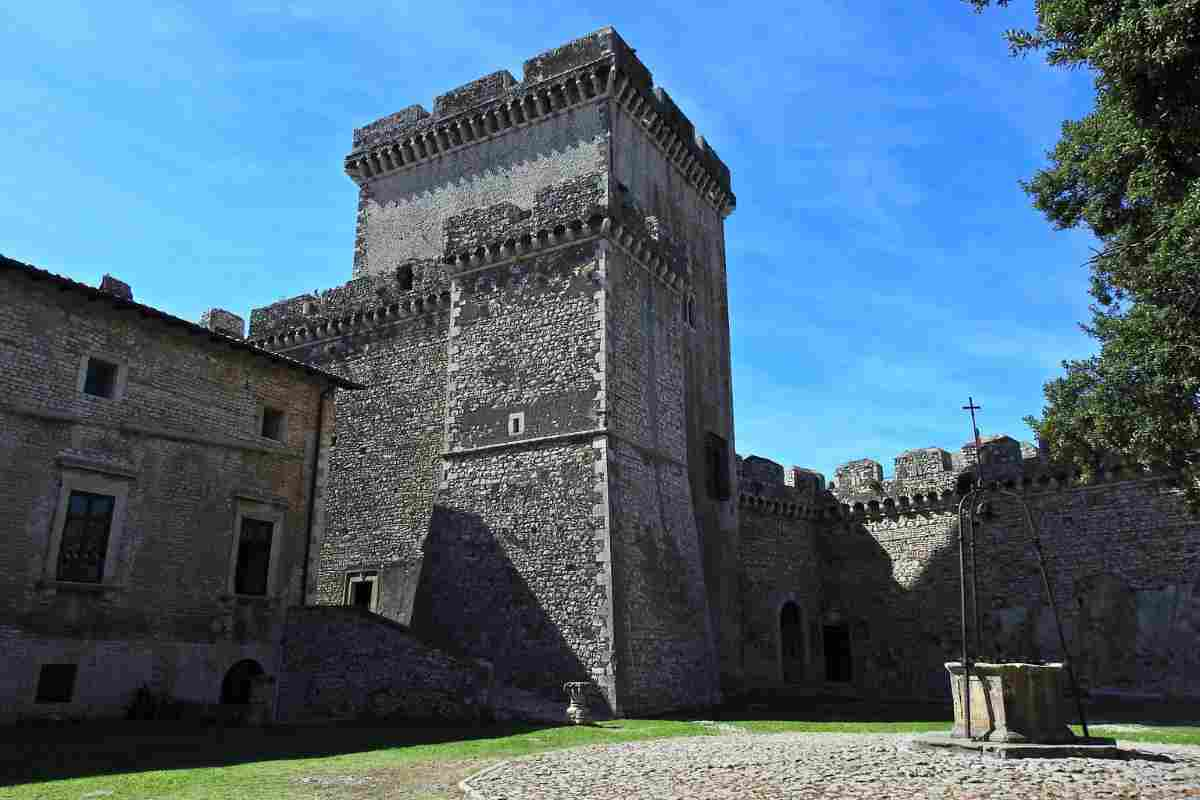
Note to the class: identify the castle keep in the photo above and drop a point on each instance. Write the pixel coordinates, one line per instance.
(540, 471)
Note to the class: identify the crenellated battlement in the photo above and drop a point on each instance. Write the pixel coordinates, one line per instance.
(594, 68)
(416, 289)
(763, 488)
(933, 480)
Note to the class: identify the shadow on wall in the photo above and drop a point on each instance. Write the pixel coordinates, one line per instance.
(899, 596)
(881, 623)
(472, 600)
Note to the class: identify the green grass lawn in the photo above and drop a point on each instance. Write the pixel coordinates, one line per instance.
(1153, 734)
(154, 760)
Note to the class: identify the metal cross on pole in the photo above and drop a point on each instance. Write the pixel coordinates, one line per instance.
(970, 406)
(966, 539)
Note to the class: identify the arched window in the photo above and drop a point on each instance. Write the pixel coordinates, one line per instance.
(236, 686)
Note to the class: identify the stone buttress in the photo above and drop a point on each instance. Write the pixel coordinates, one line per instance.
(540, 471)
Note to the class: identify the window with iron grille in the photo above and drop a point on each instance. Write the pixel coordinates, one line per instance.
(85, 537)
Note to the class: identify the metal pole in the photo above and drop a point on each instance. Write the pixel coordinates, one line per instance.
(1062, 640)
(962, 591)
(979, 488)
(974, 574)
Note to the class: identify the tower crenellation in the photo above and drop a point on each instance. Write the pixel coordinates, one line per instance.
(590, 69)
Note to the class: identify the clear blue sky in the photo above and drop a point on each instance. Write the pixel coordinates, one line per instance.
(883, 261)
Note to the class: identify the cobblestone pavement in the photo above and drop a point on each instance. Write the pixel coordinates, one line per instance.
(799, 765)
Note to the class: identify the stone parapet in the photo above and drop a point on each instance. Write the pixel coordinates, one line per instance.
(416, 289)
(591, 69)
(858, 475)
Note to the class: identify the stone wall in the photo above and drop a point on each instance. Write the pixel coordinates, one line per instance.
(178, 445)
(349, 663)
(516, 566)
(653, 179)
(385, 459)
(780, 564)
(857, 476)
(1123, 557)
(661, 602)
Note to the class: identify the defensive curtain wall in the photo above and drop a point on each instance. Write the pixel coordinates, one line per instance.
(540, 471)
(1122, 552)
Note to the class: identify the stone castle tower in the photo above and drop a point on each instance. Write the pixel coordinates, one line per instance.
(541, 471)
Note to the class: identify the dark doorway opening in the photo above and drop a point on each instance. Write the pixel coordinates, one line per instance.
(837, 653)
(236, 686)
(791, 643)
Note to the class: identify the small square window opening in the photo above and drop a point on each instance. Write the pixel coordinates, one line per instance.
(56, 683)
(516, 423)
(272, 423)
(101, 378)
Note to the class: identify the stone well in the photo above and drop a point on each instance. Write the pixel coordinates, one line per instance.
(1012, 703)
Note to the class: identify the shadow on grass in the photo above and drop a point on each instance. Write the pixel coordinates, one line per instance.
(46, 753)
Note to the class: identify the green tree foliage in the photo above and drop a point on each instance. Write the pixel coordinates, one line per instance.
(1130, 172)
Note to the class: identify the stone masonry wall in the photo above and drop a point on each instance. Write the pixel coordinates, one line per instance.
(1123, 557)
(404, 216)
(667, 651)
(515, 571)
(182, 438)
(525, 341)
(651, 176)
(780, 564)
(347, 662)
(385, 460)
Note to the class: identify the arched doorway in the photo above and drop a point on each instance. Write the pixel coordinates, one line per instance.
(791, 643)
(236, 686)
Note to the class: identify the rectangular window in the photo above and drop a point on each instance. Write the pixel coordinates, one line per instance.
(361, 588)
(56, 683)
(272, 423)
(253, 557)
(516, 423)
(716, 463)
(85, 537)
(101, 378)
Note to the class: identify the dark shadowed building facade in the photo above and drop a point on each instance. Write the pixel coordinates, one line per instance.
(156, 496)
